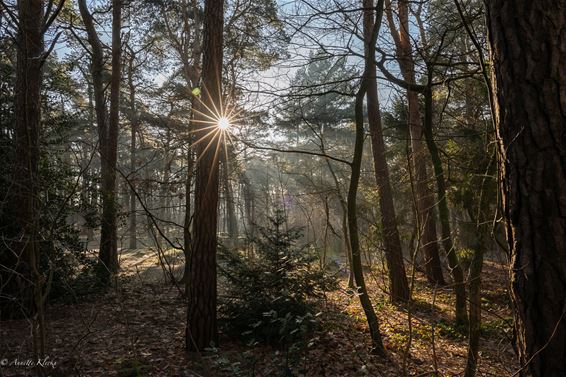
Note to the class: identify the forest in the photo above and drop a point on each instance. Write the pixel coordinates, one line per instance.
(283, 188)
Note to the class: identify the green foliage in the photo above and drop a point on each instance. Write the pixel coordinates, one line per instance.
(465, 256)
(270, 292)
(64, 262)
(498, 327)
(448, 330)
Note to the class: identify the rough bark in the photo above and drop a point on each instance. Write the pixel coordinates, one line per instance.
(528, 50)
(108, 235)
(30, 57)
(425, 197)
(187, 236)
(399, 287)
(202, 327)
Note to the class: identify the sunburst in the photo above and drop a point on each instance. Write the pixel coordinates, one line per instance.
(223, 123)
(215, 126)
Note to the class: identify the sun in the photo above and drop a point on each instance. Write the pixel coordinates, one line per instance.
(223, 123)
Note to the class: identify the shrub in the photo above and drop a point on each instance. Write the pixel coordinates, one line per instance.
(271, 290)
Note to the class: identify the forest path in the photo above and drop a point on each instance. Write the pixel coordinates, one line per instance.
(140, 325)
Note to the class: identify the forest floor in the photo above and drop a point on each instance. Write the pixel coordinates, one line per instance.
(138, 330)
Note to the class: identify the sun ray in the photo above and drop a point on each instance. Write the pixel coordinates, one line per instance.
(204, 114)
(210, 142)
(205, 137)
(215, 110)
(202, 129)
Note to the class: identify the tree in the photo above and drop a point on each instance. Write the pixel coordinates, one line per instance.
(399, 287)
(22, 277)
(134, 124)
(202, 327)
(365, 300)
(324, 110)
(529, 94)
(279, 278)
(424, 196)
(30, 59)
(107, 131)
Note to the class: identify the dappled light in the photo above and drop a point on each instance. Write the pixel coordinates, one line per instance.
(301, 188)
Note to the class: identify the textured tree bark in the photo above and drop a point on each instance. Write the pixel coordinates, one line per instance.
(529, 86)
(30, 58)
(444, 215)
(399, 287)
(187, 236)
(425, 197)
(202, 328)
(108, 235)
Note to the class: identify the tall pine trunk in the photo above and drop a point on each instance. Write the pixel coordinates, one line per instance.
(107, 132)
(202, 327)
(108, 236)
(399, 287)
(528, 50)
(30, 58)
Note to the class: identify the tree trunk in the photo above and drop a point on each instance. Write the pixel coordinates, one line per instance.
(191, 72)
(30, 58)
(425, 197)
(249, 209)
(344, 222)
(232, 220)
(399, 287)
(529, 86)
(107, 133)
(202, 327)
(444, 214)
(187, 239)
(134, 128)
(108, 236)
(474, 290)
(373, 323)
(474, 328)
(357, 268)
